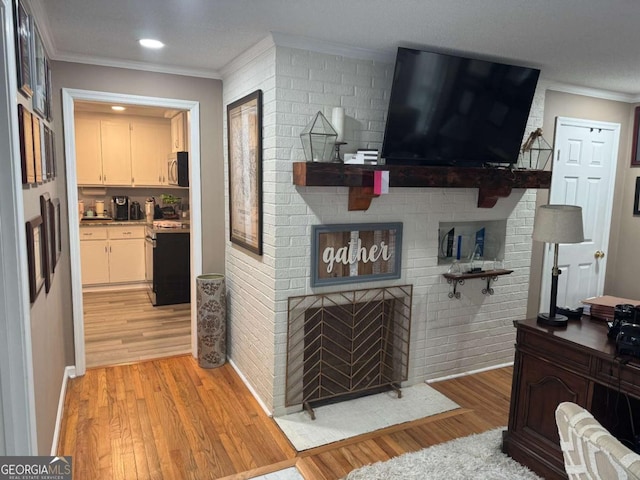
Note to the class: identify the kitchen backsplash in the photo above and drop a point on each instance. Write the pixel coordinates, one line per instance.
(89, 195)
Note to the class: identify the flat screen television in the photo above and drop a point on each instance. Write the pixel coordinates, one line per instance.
(451, 110)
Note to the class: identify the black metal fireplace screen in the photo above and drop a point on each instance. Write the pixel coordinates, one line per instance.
(347, 344)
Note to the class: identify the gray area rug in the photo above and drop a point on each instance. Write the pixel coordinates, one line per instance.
(473, 457)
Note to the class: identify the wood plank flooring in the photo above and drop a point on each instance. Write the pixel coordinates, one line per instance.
(123, 327)
(170, 419)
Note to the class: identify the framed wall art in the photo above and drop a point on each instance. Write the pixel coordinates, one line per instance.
(22, 26)
(51, 157)
(26, 145)
(48, 90)
(39, 81)
(349, 253)
(48, 254)
(635, 150)
(636, 198)
(244, 131)
(37, 151)
(35, 256)
(57, 229)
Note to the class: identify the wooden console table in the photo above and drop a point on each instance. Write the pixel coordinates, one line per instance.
(577, 364)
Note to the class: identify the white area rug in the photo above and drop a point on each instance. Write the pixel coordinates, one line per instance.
(473, 457)
(362, 415)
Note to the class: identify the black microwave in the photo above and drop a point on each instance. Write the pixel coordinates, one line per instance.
(179, 169)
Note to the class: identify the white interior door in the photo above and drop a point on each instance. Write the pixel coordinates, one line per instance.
(585, 157)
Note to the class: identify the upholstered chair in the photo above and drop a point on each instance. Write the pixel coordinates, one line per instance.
(590, 451)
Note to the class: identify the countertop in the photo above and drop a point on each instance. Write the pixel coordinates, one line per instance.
(108, 223)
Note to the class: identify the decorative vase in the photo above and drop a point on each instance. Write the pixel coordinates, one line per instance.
(212, 320)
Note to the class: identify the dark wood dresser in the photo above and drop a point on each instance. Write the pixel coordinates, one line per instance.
(577, 364)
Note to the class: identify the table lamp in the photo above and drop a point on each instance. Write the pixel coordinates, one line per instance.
(557, 224)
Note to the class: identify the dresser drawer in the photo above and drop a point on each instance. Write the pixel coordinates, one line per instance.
(120, 232)
(93, 233)
(616, 375)
(554, 349)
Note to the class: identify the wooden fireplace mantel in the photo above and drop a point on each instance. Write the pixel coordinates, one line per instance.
(492, 183)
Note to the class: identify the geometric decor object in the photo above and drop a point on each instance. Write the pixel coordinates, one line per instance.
(318, 139)
(535, 152)
(346, 344)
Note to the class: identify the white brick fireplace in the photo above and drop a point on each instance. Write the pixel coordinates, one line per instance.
(448, 336)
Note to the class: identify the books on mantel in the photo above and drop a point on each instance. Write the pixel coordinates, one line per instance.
(604, 307)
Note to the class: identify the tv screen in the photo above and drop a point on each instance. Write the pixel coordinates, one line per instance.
(451, 110)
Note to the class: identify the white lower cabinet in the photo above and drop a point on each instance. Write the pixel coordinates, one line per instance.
(112, 254)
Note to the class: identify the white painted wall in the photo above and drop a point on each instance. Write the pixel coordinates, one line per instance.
(448, 336)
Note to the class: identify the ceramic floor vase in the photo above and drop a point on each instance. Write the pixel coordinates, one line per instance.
(212, 320)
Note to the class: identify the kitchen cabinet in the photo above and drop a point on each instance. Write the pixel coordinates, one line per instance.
(88, 154)
(178, 132)
(112, 254)
(103, 152)
(116, 152)
(150, 144)
(122, 151)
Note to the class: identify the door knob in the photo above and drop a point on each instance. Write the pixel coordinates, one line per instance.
(599, 254)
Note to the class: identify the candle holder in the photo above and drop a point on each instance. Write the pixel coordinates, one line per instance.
(336, 154)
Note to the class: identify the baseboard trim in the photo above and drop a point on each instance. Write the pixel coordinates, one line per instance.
(250, 387)
(69, 372)
(464, 374)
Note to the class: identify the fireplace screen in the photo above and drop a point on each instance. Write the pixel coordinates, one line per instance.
(347, 344)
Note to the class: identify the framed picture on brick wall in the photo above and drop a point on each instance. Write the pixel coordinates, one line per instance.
(244, 136)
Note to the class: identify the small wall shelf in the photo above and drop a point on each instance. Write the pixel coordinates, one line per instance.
(456, 279)
(492, 183)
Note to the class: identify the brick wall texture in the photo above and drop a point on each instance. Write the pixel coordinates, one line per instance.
(448, 336)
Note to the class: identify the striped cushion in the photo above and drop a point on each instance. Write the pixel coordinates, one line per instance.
(590, 451)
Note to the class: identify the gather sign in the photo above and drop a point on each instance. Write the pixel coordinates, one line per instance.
(349, 253)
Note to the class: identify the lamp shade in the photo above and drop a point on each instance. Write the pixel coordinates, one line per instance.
(558, 224)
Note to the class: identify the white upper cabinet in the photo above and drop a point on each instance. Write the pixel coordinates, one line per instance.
(150, 147)
(116, 152)
(88, 154)
(121, 151)
(178, 132)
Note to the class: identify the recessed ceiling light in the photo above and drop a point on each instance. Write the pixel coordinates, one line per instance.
(118, 108)
(151, 43)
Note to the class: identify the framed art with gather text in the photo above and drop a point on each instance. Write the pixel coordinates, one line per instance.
(244, 137)
(349, 253)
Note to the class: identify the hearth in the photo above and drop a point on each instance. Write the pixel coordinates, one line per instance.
(347, 344)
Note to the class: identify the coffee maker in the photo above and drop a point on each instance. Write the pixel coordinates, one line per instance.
(120, 207)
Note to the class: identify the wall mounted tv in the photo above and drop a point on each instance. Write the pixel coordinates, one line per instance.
(451, 110)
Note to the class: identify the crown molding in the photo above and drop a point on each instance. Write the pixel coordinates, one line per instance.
(593, 92)
(332, 48)
(247, 56)
(37, 12)
(147, 67)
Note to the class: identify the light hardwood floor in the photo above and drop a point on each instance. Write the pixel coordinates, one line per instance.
(123, 327)
(170, 419)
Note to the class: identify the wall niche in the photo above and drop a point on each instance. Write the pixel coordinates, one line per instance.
(479, 242)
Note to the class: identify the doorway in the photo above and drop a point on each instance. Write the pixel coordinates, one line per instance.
(585, 160)
(69, 98)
